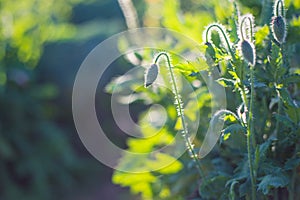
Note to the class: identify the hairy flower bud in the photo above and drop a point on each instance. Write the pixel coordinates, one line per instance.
(151, 75)
(278, 26)
(248, 51)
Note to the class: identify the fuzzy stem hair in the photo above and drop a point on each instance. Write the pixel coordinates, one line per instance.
(279, 7)
(222, 32)
(180, 111)
(250, 19)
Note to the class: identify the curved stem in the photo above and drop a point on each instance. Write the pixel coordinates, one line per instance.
(224, 35)
(251, 27)
(250, 136)
(277, 8)
(180, 112)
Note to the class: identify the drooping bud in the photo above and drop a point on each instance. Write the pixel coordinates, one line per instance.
(246, 27)
(151, 75)
(278, 26)
(248, 51)
(278, 23)
(246, 34)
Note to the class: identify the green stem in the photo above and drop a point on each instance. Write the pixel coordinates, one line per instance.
(278, 121)
(250, 136)
(180, 112)
(277, 136)
(277, 8)
(285, 63)
(224, 35)
(251, 28)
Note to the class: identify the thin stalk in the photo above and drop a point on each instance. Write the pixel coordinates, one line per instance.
(180, 112)
(250, 136)
(251, 30)
(285, 63)
(279, 109)
(281, 7)
(250, 127)
(224, 35)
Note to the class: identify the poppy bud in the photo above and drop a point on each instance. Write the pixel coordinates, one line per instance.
(248, 51)
(151, 75)
(278, 26)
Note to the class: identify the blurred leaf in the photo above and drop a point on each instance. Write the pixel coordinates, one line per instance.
(213, 188)
(232, 129)
(226, 82)
(273, 181)
(260, 35)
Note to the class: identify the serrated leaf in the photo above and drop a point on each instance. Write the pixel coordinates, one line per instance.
(213, 188)
(286, 97)
(229, 118)
(232, 193)
(234, 75)
(285, 120)
(292, 163)
(291, 78)
(244, 188)
(192, 66)
(293, 113)
(232, 129)
(261, 35)
(138, 182)
(261, 151)
(273, 181)
(163, 160)
(226, 82)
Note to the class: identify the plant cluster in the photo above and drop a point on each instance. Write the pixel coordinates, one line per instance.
(258, 154)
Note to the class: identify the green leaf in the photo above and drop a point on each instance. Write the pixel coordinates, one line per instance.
(164, 159)
(214, 187)
(292, 163)
(273, 181)
(138, 182)
(260, 35)
(244, 188)
(192, 66)
(286, 121)
(232, 129)
(230, 118)
(285, 97)
(261, 152)
(138, 56)
(293, 114)
(233, 194)
(291, 78)
(226, 82)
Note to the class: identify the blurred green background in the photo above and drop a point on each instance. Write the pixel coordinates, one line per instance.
(42, 44)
